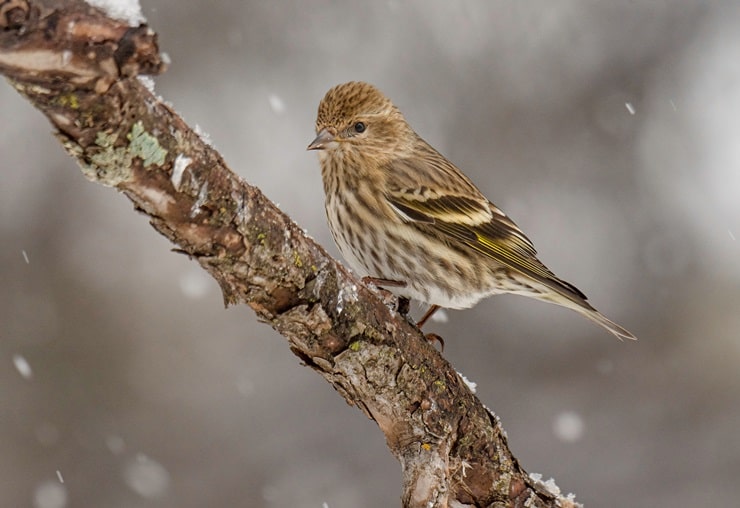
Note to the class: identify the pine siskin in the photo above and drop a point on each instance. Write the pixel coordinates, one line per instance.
(406, 218)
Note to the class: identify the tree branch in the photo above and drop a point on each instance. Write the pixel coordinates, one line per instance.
(80, 68)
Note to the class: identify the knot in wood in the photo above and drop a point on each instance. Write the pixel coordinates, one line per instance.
(13, 14)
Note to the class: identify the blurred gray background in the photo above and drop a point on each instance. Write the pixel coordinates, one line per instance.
(608, 130)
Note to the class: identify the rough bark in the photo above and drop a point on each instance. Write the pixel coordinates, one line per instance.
(80, 69)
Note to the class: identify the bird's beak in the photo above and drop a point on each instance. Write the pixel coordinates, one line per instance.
(323, 138)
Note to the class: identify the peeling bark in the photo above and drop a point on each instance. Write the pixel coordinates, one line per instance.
(80, 69)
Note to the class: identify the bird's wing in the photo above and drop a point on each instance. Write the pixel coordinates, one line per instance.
(459, 212)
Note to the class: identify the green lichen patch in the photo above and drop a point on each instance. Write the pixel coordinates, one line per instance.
(109, 166)
(145, 146)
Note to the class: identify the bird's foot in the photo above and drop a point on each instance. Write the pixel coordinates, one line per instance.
(433, 337)
(384, 283)
(427, 315)
(388, 298)
(403, 304)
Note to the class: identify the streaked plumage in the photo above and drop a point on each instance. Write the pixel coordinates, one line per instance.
(400, 211)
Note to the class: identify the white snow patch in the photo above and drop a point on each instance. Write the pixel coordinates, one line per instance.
(494, 416)
(50, 494)
(347, 294)
(124, 10)
(276, 103)
(146, 477)
(148, 83)
(630, 108)
(319, 283)
(25, 256)
(568, 426)
(202, 196)
(531, 500)
(181, 164)
(471, 385)
(59, 476)
(549, 485)
(203, 135)
(242, 210)
(22, 366)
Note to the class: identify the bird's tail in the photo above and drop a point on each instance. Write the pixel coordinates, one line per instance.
(598, 318)
(577, 302)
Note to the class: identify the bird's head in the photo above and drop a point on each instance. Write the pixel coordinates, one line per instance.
(357, 117)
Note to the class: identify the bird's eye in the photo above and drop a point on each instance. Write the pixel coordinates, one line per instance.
(360, 127)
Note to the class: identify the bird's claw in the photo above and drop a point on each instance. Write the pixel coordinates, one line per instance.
(388, 298)
(433, 337)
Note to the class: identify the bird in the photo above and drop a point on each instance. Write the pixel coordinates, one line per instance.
(409, 221)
